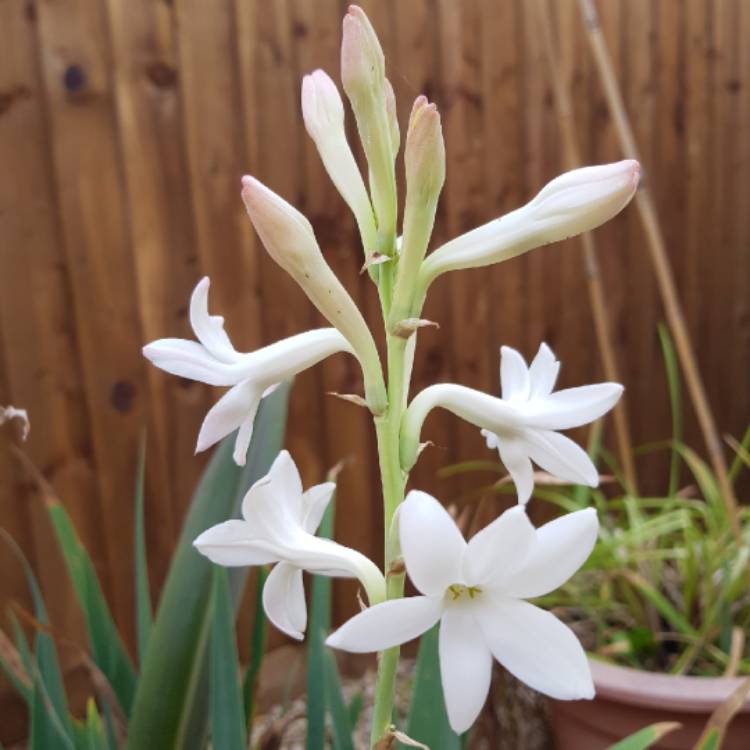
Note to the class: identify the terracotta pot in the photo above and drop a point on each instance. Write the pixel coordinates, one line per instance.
(629, 699)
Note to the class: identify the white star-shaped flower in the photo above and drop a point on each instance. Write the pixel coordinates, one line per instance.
(476, 590)
(523, 425)
(213, 360)
(278, 525)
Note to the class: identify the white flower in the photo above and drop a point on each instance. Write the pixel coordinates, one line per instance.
(278, 525)
(477, 592)
(577, 201)
(523, 424)
(213, 360)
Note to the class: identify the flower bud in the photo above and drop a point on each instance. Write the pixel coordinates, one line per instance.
(363, 76)
(576, 202)
(425, 174)
(323, 112)
(362, 59)
(390, 106)
(290, 241)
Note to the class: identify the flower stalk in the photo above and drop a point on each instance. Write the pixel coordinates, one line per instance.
(476, 589)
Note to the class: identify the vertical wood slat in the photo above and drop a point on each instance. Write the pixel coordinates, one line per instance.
(125, 156)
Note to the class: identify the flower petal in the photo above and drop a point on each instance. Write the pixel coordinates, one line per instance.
(431, 544)
(231, 543)
(188, 359)
(244, 436)
(388, 624)
(228, 413)
(537, 648)
(465, 667)
(561, 547)
(273, 505)
(284, 600)
(560, 456)
(209, 329)
(543, 372)
(315, 501)
(514, 454)
(572, 407)
(499, 549)
(514, 375)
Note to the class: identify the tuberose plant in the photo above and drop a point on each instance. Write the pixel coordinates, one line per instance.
(478, 589)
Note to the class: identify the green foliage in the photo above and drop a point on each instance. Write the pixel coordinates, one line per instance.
(175, 670)
(258, 638)
(170, 698)
(143, 615)
(107, 649)
(646, 737)
(227, 714)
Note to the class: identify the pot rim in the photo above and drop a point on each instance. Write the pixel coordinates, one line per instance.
(637, 687)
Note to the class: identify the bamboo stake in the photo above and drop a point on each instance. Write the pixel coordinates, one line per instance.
(660, 261)
(602, 326)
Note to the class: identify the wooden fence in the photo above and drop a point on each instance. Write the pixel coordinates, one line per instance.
(124, 130)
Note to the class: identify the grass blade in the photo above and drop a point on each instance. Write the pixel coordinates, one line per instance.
(320, 624)
(340, 718)
(720, 719)
(175, 667)
(107, 648)
(675, 401)
(258, 640)
(143, 613)
(227, 717)
(49, 706)
(646, 737)
(428, 720)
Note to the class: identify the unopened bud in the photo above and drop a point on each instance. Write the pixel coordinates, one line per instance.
(323, 112)
(290, 241)
(390, 107)
(362, 59)
(363, 76)
(575, 202)
(425, 174)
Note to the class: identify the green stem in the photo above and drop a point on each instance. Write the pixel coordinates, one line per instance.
(393, 479)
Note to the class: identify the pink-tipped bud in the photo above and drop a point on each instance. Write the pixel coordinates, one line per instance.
(289, 239)
(362, 60)
(424, 155)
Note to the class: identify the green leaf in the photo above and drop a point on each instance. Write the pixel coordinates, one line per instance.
(675, 399)
(143, 615)
(227, 717)
(646, 737)
(340, 718)
(355, 709)
(175, 667)
(258, 639)
(49, 723)
(95, 736)
(710, 740)
(428, 720)
(107, 648)
(320, 623)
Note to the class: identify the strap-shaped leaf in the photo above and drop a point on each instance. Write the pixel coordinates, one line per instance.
(227, 715)
(171, 703)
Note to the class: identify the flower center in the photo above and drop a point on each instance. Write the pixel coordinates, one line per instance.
(458, 591)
